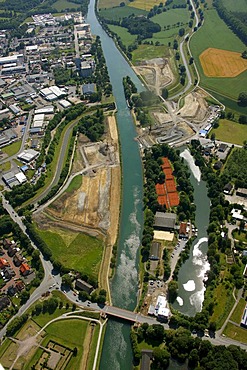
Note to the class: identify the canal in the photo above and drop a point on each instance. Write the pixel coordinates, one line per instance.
(117, 353)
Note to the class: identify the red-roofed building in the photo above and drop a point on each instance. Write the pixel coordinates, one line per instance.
(3, 263)
(182, 230)
(25, 269)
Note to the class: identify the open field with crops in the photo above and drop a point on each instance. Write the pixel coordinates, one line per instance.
(215, 34)
(222, 63)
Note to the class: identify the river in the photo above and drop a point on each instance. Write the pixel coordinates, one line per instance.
(192, 272)
(117, 353)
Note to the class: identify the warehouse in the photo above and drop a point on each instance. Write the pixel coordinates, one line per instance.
(28, 155)
(12, 179)
(48, 109)
(51, 93)
(64, 103)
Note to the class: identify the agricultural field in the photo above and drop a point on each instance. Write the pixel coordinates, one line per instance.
(215, 34)
(144, 4)
(120, 12)
(75, 250)
(230, 132)
(222, 63)
(105, 4)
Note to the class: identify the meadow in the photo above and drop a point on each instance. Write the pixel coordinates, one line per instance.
(230, 132)
(146, 52)
(77, 251)
(231, 5)
(126, 37)
(61, 5)
(215, 34)
(120, 12)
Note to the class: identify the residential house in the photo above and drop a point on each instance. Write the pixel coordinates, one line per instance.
(228, 188)
(18, 259)
(19, 285)
(83, 285)
(8, 273)
(7, 243)
(4, 302)
(25, 269)
(11, 290)
(3, 263)
(183, 231)
(12, 251)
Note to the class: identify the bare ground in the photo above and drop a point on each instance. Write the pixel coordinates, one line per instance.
(156, 72)
(195, 107)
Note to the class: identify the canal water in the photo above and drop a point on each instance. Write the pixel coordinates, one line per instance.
(192, 273)
(117, 353)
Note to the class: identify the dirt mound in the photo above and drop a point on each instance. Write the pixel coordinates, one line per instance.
(156, 72)
(194, 107)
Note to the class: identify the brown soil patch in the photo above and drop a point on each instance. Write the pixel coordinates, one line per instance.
(222, 63)
(156, 72)
(194, 107)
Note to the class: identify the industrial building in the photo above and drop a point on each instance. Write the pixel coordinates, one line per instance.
(10, 59)
(64, 103)
(52, 93)
(28, 155)
(13, 179)
(48, 109)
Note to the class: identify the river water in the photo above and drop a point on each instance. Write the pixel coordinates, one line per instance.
(192, 273)
(117, 353)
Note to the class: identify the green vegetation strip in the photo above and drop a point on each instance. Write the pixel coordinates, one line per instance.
(235, 332)
(238, 312)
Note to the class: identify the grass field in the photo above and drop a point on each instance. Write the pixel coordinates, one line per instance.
(225, 302)
(126, 37)
(215, 34)
(60, 5)
(230, 132)
(5, 166)
(12, 148)
(235, 332)
(145, 52)
(120, 12)
(240, 6)
(75, 184)
(74, 250)
(238, 312)
(222, 63)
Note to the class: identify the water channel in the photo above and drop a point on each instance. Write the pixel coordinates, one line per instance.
(192, 273)
(117, 352)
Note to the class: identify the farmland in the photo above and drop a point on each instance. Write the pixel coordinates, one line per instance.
(126, 37)
(231, 5)
(222, 63)
(61, 5)
(215, 34)
(120, 12)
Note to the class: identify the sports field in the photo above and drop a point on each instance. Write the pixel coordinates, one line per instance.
(222, 63)
(215, 34)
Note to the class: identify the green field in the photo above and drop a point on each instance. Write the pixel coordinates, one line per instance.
(215, 34)
(172, 17)
(126, 37)
(145, 52)
(120, 12)
(105, 4)
(235, 332)
(77, 251)
(225, 302)
(60, 5)
(12, 149)
(75, 184)
(238, 312)
(230, 132)
(233, 6)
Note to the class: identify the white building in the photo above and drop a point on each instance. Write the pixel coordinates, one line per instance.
(28, 155)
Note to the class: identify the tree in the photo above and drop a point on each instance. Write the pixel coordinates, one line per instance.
(181, 32)
(75, 350)
(242, 99)
(24, 296)
(164, 93)
(160, 358)
(66, 280)
(172, 290)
